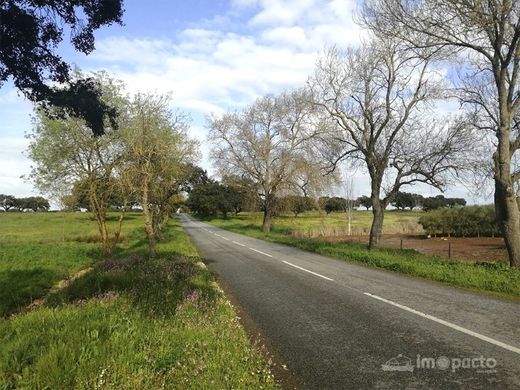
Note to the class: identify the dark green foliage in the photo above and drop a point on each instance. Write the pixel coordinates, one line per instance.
(295, 204)
(248, 199)
(32, 203)
(333, 204)
(195, 176)
(7, 202)
(404, 200)
(31, 30)
(440, 201)
(470, 221)
(210, 198)
(365, 201)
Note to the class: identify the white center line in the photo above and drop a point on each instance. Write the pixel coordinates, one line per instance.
(262, 253)
(238, 243)
(225, 238)
(448, 324)
(306, 270)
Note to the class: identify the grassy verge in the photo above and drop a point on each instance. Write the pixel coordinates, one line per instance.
(133, 323)
(497, 278)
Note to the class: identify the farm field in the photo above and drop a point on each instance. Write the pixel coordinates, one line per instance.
(398, 225)
(475, 263)
(125, 322)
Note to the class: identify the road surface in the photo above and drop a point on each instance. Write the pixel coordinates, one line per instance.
(338, 325)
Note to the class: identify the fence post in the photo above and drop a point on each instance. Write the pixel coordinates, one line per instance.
(449, 250)
(401, 244)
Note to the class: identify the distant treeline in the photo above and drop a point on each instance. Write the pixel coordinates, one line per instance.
(469, 221)
(234, 194)
(32, 203)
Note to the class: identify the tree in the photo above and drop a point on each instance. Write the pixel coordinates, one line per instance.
(439, 201)
(7, 202)
(298, 204)
(378, 97)
(31, 30)
(195, 176)
(405, 200)
(211, 197)
(335, 204)
(485, 36)
(65, 153)
(158, 152)
(247, 198)
(33, 203)
(265, 143)
(365, 201)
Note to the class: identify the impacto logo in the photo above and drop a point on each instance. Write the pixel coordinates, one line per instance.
(443, 363)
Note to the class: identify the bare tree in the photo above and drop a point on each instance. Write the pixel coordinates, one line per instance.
(379, 98)
(265, 143)
(486, 37)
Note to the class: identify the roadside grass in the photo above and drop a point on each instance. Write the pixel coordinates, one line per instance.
(497, 278)
(132, 323)
(39, 249)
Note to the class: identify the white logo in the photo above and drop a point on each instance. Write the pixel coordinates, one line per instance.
(443, 363)
(398, 363)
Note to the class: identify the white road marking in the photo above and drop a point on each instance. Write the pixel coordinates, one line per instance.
(238, 243)
(448, 324)
(218, 235)
(262, 253)
(306, 270)
(225, 238)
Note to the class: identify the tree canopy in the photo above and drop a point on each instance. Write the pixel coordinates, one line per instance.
(30, 32)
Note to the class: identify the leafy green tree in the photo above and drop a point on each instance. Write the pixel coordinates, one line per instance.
(30, 32)
(157, 151)
(65, 152)
(7, 202)
(335, 204)
(404, 200)
(298, 204)
(212, 197)
(247, 197)
(365, 201)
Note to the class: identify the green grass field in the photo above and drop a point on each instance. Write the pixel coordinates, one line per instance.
(129, 323)
(496, 278)
(314, 223)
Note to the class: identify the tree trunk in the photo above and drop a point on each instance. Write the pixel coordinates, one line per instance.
(508, 217)
(100, 215)
(268, 212)
(378, 212)
(506, 206)
(117, 233)
(148, 221)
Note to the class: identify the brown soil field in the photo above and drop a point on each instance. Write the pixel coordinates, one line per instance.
(483, 249)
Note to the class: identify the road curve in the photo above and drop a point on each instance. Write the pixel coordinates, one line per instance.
(342, 326)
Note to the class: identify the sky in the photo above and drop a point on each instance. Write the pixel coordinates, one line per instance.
(213, 56)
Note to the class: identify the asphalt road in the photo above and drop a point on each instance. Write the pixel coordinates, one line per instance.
(341, 326)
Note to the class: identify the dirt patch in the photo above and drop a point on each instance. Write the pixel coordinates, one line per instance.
(483, 249)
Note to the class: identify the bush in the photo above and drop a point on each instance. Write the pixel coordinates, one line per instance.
(470, 221)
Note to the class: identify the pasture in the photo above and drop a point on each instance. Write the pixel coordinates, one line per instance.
(125, 322)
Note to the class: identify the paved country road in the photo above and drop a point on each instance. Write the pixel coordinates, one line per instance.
(342, 326)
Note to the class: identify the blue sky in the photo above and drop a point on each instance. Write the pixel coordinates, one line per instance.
(213, 56)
